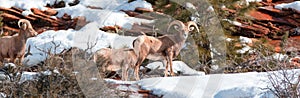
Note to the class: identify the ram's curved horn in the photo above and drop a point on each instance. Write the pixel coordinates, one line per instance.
(192, 23)
(176, 22)
(24, 24)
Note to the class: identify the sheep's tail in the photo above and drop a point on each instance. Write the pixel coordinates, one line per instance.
(137, 45)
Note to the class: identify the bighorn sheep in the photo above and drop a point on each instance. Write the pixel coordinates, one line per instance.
(123, 58)
(162, 48)
(14, 46)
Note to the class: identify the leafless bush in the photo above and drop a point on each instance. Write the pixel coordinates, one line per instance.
(283, 76)
(284, 83)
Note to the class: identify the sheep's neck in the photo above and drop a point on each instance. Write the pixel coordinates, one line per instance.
(177, 39)
(21, 38)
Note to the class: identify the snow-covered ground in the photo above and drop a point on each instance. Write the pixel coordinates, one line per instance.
(240, 85)
(206, 86)
(293, 5)
(178, 66)
(249, 85)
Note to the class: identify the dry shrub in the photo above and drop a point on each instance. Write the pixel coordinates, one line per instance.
(77, 76)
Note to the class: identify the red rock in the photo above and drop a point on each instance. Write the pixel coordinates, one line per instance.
(16, 9)
(39, 12)
(139, 9)
(260, 16)
(283, 1)
(10, 30)
(9, 17)
(229, 10)
(79, 22)
(137, 15)
(94, 7)
(66, 17)
(268, 1)
(5, 34)
(131, 13)
(277, 49)
(111, 28)
(292, 44)
(51, 12)
(270, 9)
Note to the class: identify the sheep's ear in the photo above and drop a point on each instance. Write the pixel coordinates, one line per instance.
(191, 28)
(24, 26)
(176, 27)
(176, 24)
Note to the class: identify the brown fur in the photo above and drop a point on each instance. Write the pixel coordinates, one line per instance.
(117, 59)
(163, 48)
(14, 46)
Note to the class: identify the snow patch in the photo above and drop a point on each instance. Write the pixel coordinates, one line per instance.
(118, 81)
(117, 5)
(26, 13)
(28, 76)
(229, 39)
(189, 5)
(101, 17)
(251, 84)
(178, 66)
(24, 4)
(233, 22)
(2, 95)
(253, 0)
(279, 56)
(293, 5)
(245, 40)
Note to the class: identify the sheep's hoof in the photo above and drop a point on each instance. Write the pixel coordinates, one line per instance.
(172, 74)
(166, 74)
(137, 79)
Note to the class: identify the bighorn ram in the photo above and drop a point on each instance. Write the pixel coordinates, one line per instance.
(123, 58)
(14, 46)
(162, 48)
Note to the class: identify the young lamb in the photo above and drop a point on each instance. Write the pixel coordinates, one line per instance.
(123, 58)
(163, 48)
(14, 46)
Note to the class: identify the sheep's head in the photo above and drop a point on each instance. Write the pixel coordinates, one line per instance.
(26, 26)
(181, 28)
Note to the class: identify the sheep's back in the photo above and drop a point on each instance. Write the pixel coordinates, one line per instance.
(6, 43)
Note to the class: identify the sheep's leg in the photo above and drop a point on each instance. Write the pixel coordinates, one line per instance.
(137, 67)
(136, 72)
(171, 67)
(12, 59)
(170, 58)
(20, 60)
(165, 63)
(124, 72)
